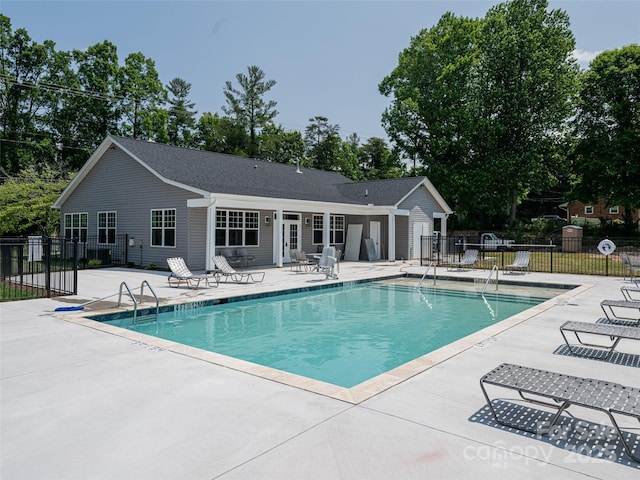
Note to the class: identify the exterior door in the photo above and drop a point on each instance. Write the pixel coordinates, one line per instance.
(374, 234)
(420, 229)
(290, 238)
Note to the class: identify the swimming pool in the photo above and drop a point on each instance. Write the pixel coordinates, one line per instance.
(344, 335)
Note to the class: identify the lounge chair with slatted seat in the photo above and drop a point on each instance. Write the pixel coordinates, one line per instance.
(520, 262)
(613, 308)
(468, 259)
(614, 332)
(227, 272)
(181, 273)
(560, 392)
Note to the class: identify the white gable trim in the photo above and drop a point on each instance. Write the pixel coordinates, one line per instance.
(434, 193)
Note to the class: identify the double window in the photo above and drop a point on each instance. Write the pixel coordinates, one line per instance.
(75, 226)
(163, 227)
(336, 229)
(107, 227)
(237, 228)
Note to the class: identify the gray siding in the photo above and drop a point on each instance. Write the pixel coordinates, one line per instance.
(421, 205)
(402, 238)
(118, 183)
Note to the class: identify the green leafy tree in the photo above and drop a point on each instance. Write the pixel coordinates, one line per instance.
(221, 134)
(377, 160)
(96, 103)
(247, 105)
(322, 143)
(528, 80)
(26, 199)
(279, 145)
(607, 127)
(432, 116)
(141, 93)
(482, 104)
(181, 114)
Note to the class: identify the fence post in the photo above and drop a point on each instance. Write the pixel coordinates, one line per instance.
(75, 265)
(46, 243)
(551, 249)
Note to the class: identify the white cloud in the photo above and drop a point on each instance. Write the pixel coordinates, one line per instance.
(584, 57)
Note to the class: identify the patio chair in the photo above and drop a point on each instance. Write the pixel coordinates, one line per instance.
(563, 391)
(300, 262)
(468, 259)
(630, 265)
(611, 309)
(614, 332)
(629, 293)
(181, 273)
(230, 254)
(520, 262)
(243, 256)
(327, 263)
(228, 272)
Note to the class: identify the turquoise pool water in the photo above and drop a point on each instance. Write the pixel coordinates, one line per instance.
(343, 335)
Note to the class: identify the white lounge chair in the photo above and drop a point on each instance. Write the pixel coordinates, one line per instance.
(520, 262)
(228, 272)
(327, 263)
(181, 273)
(632, 265)
(468, 259)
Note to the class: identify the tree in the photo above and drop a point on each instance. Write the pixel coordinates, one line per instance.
(220, 134)
(528, 80)
(431, 118)
(376, 159)
(181, 114)
(483, 104)
(607, 126)
(96, 103)
(247, 105)
(322, 143)
(141, 92)
(26, 199)
(278, 145)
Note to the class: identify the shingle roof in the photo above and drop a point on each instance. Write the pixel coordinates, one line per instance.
(222, 173)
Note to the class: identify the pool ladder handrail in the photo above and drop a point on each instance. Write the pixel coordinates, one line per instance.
(486, 284)
(135, 302)
(432, 264)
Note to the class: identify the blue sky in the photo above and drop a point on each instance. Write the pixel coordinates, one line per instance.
(327, 57)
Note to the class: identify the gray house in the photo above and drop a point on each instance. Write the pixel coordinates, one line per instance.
(173, 201)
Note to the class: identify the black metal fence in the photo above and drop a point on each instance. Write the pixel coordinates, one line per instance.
(36, 267)
(555, 254)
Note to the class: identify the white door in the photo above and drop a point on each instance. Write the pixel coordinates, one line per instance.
(290, 238)
(374, 234)
(419, 229)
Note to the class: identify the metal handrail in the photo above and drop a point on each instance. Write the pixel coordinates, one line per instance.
(133, 298)
(432, 264)
(154, 296)
(486, 284)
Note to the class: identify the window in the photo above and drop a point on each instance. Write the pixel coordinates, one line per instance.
(237, 228)
(588, 210)
(614, 210)
(163, 228)
(75, 226)
(106, 227)
(336, 229)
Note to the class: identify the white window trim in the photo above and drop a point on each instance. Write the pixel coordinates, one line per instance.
(588, 210)
(615, 210)
(244, 228)
(86, 229)
(107, 228)
(314, 229)
(151, 227)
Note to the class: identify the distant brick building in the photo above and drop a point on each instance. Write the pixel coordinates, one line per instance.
(581, 213)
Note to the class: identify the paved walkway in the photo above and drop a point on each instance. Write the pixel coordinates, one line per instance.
(79, 403)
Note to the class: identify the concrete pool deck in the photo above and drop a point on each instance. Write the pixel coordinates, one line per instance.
(77, 402)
